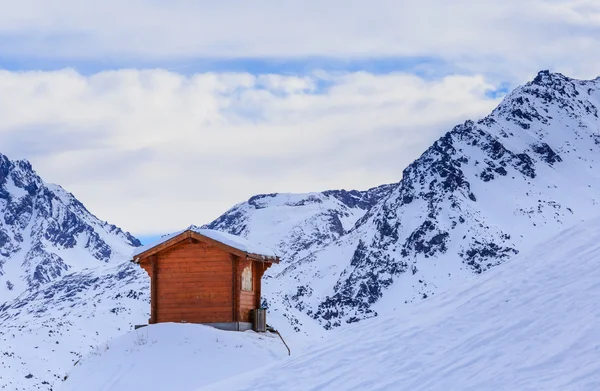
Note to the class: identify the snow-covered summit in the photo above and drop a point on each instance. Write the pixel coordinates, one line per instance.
(482, 193)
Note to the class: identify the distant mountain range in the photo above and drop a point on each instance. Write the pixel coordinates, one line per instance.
(483, 192)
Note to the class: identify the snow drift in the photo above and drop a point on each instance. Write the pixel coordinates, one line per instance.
(170, 356)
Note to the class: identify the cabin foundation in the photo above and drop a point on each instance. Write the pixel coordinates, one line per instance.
(231, 326)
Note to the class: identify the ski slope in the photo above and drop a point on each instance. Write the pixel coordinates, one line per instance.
(530, 324)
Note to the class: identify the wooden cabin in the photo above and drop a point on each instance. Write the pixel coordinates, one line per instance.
(204, 276)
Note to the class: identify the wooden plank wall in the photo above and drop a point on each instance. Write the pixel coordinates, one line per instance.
(194, 284)
(200, 283)
(147, 265)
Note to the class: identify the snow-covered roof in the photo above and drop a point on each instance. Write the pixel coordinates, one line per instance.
(234, 241)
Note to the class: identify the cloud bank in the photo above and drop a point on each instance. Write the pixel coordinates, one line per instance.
(153, 151)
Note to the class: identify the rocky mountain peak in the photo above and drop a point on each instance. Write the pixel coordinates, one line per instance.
(479, 195)
(547, 78)
(45, 231)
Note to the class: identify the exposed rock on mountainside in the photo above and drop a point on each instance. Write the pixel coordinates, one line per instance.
(46, 232)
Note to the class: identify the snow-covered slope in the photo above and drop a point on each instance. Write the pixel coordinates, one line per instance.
(45, 232)
(45, 331)
(479, 195)
(178, 357)
(530, 324)
(52, 307)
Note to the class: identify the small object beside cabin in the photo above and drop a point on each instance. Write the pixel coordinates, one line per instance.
(205, 276)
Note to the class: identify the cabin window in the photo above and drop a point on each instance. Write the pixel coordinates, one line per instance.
(247, 278)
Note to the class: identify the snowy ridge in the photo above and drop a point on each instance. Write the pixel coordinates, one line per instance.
(295, 225)
(46, 232)
(529, 324)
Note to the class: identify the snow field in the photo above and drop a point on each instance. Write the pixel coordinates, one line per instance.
(530, 324)
(171, 356)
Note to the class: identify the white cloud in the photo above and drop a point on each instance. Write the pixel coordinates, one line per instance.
(153, 151)
(513, 38)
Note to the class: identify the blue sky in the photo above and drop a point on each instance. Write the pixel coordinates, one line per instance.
(423, 66)
(147, 239)
(158, 115)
